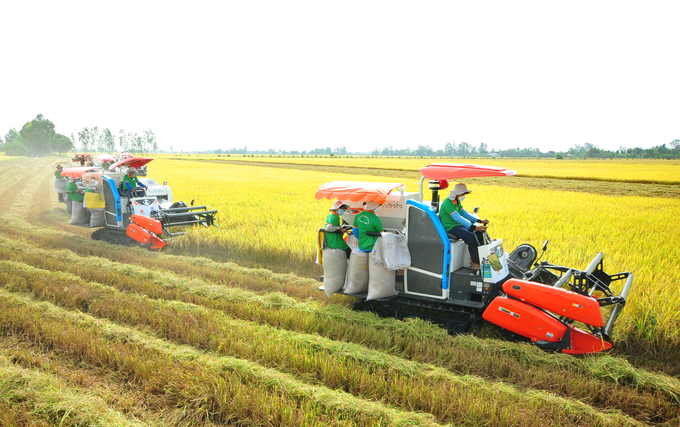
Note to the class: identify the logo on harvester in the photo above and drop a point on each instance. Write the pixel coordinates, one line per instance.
(145, 202)
(576, 305)
(505, 310)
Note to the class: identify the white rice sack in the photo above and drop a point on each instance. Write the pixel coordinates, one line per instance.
(78, 213)
(97, 218)
(381, 281)
(60, 185)
(334, 270)
(67, 200)
(357, 273)
(352, 241)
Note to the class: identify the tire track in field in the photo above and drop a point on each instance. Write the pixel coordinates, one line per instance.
(606, 188)
(15, 191)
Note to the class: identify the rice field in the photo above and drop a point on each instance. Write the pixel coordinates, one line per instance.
(618, 170)
(226, 326)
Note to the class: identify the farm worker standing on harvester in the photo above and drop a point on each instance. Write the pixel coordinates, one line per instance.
(130, 181)
(459, 223)
(367, 226)
(74, 193)
(57, 173)
(57, 176)
(334, 230)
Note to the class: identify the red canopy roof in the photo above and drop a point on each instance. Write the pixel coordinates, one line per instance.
(106, 158)
(356, 191)
(441, 171)
(78, 171)
(136, 162)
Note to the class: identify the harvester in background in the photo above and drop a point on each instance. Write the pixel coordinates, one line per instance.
(554, 307)
(146, 215)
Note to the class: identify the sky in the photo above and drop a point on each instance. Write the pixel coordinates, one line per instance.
(298, 75)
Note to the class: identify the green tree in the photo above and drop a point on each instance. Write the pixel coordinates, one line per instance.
(38, 136)
(84, 139)
(123, 141)
(151, 142)
(12, 135)
(62, 144)
(108, 141)
(15, 148)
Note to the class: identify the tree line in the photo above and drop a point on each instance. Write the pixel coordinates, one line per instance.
(38, 138)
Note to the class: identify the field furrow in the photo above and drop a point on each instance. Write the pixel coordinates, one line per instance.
(355, 369)
(207, 387)
(584, 381)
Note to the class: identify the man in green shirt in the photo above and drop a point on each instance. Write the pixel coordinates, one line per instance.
(130, 182)
(459, 223)
(74, 193)
(334, 230)
(367, 226)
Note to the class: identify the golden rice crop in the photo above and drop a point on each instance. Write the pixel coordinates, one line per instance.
(271, 211)
(595, 381)
(630, 170)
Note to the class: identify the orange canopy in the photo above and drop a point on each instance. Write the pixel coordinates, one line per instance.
(136, 162)
(356, 191)
(106, 158)
(78, 171)
(441, 171)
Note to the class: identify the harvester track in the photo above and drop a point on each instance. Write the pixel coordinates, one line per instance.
(114, 236)
(456, 319)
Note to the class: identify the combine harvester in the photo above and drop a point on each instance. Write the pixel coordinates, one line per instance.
(554, 307)
(147, 215)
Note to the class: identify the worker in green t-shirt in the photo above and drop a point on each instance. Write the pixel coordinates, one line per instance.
(367, 226)
(74, 193)
(459, 223)
(131, 182)
(334, 229)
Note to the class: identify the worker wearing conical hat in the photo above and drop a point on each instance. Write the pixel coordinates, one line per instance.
(459, 223)
(334, 230)
(57, 173)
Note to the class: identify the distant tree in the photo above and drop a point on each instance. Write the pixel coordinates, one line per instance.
(123, 141)
(15, 148)
(62, 144)
(2, 143)
(38, 135)
(150, 140)
(136, 142)
(84, 139)
(12, 135)
(108, 142)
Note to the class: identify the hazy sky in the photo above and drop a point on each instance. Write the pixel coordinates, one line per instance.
(359, 74)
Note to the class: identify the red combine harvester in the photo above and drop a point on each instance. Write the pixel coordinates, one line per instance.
(146, 215)
(554, 307)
